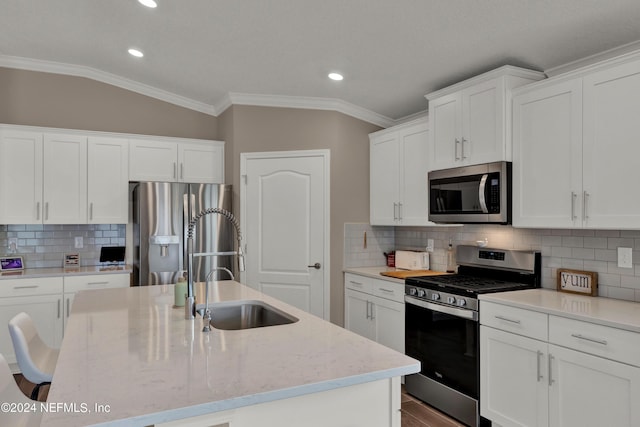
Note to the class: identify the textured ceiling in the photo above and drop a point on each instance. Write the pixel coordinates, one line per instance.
(392, 52)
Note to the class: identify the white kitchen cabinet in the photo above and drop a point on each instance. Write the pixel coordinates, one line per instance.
(171, 161)
(582, 374)
(398, 175)
(20, 177)
(107, 180)
(380, 319)
(41, 299)
(470, 121)
(574, 150)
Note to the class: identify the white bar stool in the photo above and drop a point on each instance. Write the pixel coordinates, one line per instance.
(36, 360)
(11, 393)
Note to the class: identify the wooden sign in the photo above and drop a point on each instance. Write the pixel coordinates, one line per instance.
(578, 282)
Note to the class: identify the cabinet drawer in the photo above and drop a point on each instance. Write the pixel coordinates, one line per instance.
(358, 283)
(517, 320)
(388, 290)
(30, 286)
(599, 340)
(99, 281)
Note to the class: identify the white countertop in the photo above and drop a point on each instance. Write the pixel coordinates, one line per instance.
(603, 311)
(374, 272)
(130, 349)
(59, 271)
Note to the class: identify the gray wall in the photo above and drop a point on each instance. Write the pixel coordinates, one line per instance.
(255, 129)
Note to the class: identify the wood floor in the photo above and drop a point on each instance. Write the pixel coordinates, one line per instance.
(418, 414)
(414, 412)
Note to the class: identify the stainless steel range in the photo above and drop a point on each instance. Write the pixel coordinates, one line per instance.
(442, 327)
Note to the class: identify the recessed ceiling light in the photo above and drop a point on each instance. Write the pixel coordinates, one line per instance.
(136, 53)
(148, 3)
(335, 76)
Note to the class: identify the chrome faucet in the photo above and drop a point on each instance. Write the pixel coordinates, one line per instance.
(206, 314)
(190, 305)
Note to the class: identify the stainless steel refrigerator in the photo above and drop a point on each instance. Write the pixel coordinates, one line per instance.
(161, 215)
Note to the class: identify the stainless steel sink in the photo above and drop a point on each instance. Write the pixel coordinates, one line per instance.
(246, 314)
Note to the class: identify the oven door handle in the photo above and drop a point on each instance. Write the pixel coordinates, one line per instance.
(458, 312)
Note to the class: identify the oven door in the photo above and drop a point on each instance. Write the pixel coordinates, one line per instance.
(445, 341)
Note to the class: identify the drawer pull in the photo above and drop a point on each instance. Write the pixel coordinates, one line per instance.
(97, 283)
(506, 319)
(25, 287)
(540, 354)
(595, 340)
(551, 380)
(389, 291)
(355, 283)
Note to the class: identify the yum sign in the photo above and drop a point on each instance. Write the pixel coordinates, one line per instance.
(578, 282)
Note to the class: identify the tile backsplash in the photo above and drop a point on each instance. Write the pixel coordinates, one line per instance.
(45, 245)
(589, 250)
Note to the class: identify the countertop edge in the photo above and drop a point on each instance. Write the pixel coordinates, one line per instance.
(31, 273)
(507, 298)
(373, 272)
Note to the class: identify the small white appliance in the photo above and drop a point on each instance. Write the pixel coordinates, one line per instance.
(412, 260)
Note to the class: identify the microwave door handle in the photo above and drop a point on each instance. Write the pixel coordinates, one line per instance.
(482, 194)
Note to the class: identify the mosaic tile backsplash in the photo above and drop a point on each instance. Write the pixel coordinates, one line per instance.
(45, 245)
(589, 250)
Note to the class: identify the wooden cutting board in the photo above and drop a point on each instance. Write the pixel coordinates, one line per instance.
(403, 274)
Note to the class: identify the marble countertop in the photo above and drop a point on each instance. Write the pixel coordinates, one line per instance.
(59, 271)
(603, 311)
(130, 349)
(374, 272)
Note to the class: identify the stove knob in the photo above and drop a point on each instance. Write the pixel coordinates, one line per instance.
(451, 300)
(412, 291)
(462, 302)
(421, 293)
(435, 296)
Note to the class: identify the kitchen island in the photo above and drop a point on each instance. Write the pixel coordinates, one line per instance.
(129, 358)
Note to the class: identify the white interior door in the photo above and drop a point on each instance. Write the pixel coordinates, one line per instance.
(285, 215)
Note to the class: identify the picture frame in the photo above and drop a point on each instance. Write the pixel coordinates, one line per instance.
(577, 282)
(11, 263)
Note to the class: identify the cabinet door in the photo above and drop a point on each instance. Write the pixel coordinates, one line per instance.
(513, 379)
(413, 209)
(357, 313)
(65, 179)
(46, 312)
(483, 116)
(445, 132)
(611, 148)
(388, 319)
(20, 177)
(591, 391)
(547, 156)
(384, 180)
(153, 161)
(108, 180)
(201, 163)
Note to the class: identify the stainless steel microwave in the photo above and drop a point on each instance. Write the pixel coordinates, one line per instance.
(471, 194)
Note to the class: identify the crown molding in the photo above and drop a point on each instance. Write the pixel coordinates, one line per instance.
(311, 103)
(104, 77)
(233, 98)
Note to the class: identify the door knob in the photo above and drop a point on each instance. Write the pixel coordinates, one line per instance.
(316, 266)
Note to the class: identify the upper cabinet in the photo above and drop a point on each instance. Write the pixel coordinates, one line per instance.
(469, 121)
(574, 154)
(398, 175)
(198, 162)
(108, 180)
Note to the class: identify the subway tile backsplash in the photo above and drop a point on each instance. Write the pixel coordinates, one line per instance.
(590, 250)
(45, 245)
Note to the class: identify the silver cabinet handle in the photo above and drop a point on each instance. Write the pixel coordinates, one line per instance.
(462, 147)
(68, 304)
(355, 283)
(97, 283)
(389, 291)
(25, 287)
(91, 210)
(400, 211)
(181, 170)
(317, 266)
(456, 149)
(372, 312)
(551, 380)
(539, 356)
(38, 211)
(395, 215)
(368, 316)
(573, 205)
(585, 210)
(595, 340)
(59, 302)
(506, 319)
(46, 210)
(175, 170)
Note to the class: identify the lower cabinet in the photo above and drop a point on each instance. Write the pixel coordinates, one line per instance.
(556, 382)
(374, 317)
(48, 303)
